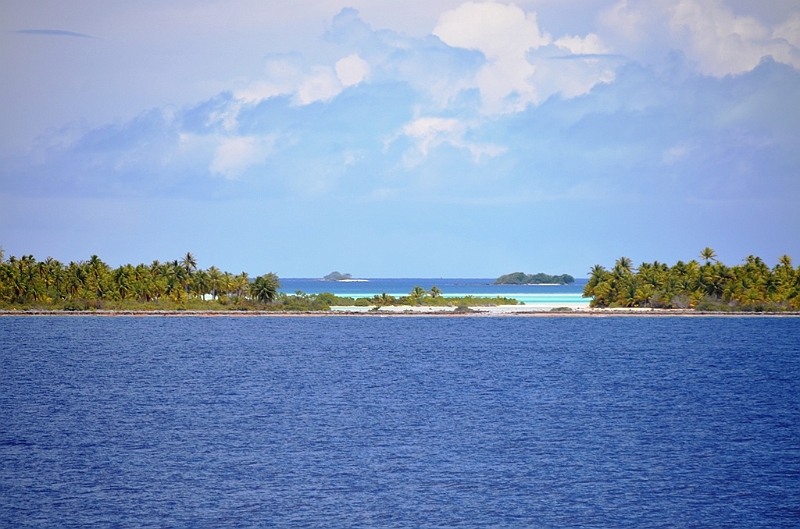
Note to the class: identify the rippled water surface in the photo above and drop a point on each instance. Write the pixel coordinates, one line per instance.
(369, 421)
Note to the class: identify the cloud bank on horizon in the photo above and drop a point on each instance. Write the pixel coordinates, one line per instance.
(485, 141)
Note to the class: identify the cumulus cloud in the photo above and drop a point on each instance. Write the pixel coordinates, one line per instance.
(475, 96)
(351, 70)
(789, 31)
(511, 41)
(498, 50)
(588, 45)
(289, 75)
(235, 155)
(321, 84)
(427, 133)
(496, 30)
(724, 43)
(718, 41)
(504, 34)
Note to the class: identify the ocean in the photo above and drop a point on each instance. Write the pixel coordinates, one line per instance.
(540, 296)
(399, 422)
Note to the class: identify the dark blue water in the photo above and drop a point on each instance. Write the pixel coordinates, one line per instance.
(414, 422)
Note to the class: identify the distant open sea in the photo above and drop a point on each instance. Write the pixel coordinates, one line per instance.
(399, 422)
(536, 295)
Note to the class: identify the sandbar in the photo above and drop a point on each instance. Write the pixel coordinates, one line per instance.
(502, 311)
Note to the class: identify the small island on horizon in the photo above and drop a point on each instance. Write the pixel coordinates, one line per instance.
(337, 276)
(343, 278)
(521, 278)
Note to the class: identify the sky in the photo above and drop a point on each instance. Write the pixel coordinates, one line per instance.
(413, 138)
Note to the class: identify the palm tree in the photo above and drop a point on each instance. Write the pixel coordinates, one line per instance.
(435, 292)
(417, 294)
(97, 272)
(624, 263)
(227, 284)
(265, 288)
(708, 255)
(385, 299)
(189, 263)
(597, 276)
(241, 284)
(214, 281)
(201, 284)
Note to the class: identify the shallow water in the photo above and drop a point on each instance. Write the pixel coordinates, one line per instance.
(536, 295)
(400, 421)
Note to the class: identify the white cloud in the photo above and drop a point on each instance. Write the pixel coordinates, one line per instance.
(627, 24)
(504, 34)
(510, 39)
(724, 43)
(496, 30)
(226, 116)
(352, 70)
(321, 84)
(233, 156)
(427, 133)
(431, 132)
(789, 31)
(712, 36)
(582, 46)
(286, 75)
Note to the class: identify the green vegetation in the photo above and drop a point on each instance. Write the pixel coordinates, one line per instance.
(336, 276)
(521, 278)
(94, 285)
(419, 297)
(712, 286)
(26, 283)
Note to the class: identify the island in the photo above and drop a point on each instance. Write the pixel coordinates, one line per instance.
(336, 276)
(179, 286)
(712, 286)
(521, 278)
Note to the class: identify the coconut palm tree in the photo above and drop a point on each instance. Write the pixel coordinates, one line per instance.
(708, 255)
(624, 263)
(241, 284)
(265, 288)
(189, 263)
(214, 281)
(201, 284)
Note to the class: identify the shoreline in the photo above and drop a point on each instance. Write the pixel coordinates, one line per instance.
(404, 312)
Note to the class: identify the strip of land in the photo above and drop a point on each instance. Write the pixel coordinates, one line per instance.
(406, 311)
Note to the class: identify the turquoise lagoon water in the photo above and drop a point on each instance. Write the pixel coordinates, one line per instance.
(539, 295)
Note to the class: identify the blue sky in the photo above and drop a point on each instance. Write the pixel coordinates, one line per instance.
(400, 139)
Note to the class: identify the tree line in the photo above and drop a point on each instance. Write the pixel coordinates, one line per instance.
(95, 284)
(751, 286)
(175, 285)
(521, 278)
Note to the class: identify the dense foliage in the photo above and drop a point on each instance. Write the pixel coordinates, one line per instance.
(521, 278)
(421, 297)
(93, 284)
(751, 286)
(175, 285)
